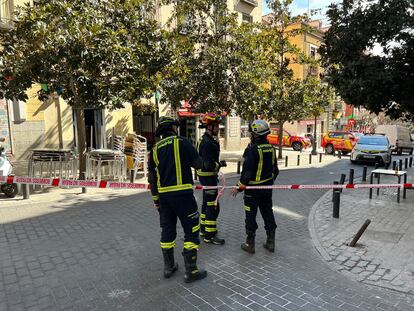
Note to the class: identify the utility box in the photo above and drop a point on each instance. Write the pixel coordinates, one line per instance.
(19, 111)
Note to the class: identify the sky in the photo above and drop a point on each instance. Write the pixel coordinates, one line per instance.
(301, 6)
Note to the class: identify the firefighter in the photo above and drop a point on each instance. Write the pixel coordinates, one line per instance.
(259, 168)
(171, 184)
(209, 150)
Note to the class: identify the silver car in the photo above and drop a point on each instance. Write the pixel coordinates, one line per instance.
(372, 149)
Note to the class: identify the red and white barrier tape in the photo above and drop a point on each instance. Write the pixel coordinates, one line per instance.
(68, 183)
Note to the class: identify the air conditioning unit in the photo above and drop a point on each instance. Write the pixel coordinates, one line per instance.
(19, 111)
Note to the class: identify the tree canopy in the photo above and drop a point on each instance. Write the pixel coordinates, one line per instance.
(369, 54)
(95, 54)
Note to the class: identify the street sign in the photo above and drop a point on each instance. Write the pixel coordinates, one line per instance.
(351, 121)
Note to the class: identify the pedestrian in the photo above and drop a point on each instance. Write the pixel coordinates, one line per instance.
(259, 168)
(209, 150)
(171, 184)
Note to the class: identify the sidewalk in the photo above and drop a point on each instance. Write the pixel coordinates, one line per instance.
(384, 255)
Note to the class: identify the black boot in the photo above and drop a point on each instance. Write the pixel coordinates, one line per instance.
(270, 241)
(214, 240)
(169, 264)
(248, 246)
(192, 273)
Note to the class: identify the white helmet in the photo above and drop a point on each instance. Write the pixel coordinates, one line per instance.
(259, 127)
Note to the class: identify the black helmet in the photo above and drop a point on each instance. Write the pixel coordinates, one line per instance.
(165, 124)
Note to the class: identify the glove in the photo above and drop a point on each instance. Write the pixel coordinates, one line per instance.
(223, 164)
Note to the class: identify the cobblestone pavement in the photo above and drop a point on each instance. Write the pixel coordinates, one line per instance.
(384, 255)
(101, 252)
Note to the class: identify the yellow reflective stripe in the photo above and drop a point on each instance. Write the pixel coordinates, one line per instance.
(260, 165)
(175, 188)
(195, 228)
(240, 184)
(210, 229)
(203, 216)
(202, 222)
(190, 245)
(247, 208)
(210, 222)
(203, 174)
(177, 162)
(155, 156)
(155, 197)
(167, 245)
(252, 182)
(212, 203)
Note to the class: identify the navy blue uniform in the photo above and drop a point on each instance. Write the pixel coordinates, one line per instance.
(259, 168)
(171, 183)
(209, 150)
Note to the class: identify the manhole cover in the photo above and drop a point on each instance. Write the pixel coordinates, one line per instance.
(383, 236)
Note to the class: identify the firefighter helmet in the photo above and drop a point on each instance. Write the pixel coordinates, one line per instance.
(165, 124)
(259, 127)
(209, 119)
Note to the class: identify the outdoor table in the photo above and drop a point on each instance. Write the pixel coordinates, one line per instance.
(64, 157)
(115, 159)
(398, 174)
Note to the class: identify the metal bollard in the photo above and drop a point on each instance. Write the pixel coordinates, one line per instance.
(336, 203)
(26, 191)
(360, 232)
(286, 161)
(364, 173)
(394, 165)
(400, 164)
(310, 158)
(342, 180)
(83, 177)
(298, 159)
(320, 157)
(339, 154)
(132, 177)
(333, 190)
(411, 161)
(406, 163)
(351, 176)
(238, 167)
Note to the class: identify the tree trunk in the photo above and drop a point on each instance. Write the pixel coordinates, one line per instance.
(314, 152)
(59, 121)
(81, 134)
(280, 156)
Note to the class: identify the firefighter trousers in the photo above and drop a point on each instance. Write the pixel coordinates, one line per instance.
(184, 207)
(259, 200)
(209, 212)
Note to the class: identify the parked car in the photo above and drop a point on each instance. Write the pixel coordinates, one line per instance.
(372, 149)
(338, 141)
(296, 142)
(398, 136)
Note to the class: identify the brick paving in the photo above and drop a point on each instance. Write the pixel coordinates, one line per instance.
(101, 252)
(384, 256)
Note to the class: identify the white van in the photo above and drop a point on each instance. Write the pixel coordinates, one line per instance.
(398, 136)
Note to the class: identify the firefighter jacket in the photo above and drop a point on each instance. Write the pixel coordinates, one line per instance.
(169, 166)
(260, 164)
(209, 150)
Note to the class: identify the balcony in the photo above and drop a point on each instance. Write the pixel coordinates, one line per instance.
(255, 3)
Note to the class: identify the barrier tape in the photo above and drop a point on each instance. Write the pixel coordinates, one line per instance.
(103, 184)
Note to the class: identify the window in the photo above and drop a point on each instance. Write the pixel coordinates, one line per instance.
(313, 51)
(247, 18)
(338, 135)
(244, 128)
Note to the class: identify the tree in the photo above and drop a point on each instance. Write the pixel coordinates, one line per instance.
(201, 71)
(369, 54)
(317, 97)
(270, 59)
(94, 54)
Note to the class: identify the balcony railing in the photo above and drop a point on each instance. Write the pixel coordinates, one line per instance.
(251, 2)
